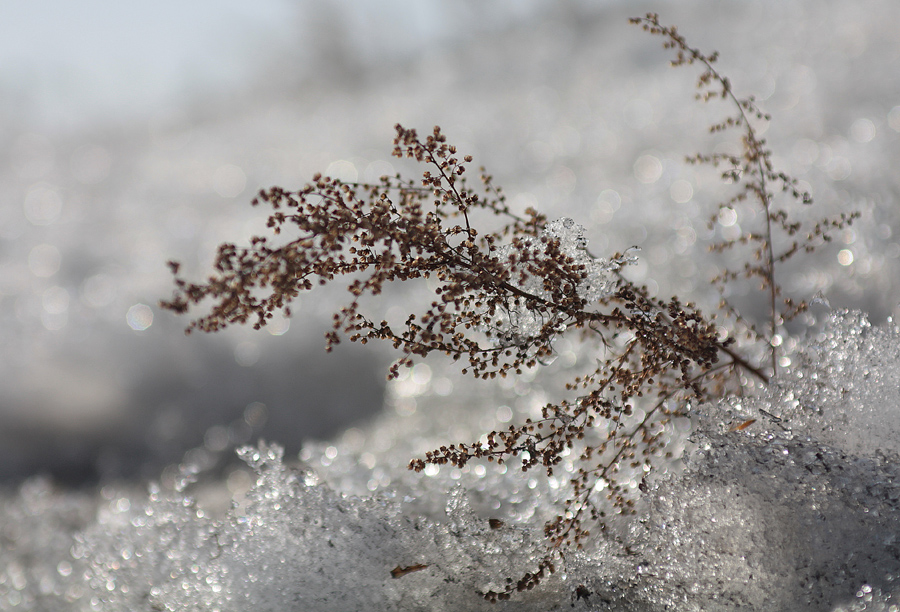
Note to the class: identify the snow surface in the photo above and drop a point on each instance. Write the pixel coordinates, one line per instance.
(576, 115)
(798, 511)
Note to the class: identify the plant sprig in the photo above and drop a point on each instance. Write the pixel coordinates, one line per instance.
(503, 298)
(755, 174)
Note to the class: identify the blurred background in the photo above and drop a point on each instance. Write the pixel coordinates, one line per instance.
(135, 134)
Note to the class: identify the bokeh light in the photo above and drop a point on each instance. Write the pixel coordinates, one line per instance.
(139, 317)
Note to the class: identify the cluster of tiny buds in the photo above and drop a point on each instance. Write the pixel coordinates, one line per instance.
(753, 171)
(399, 230)
(501, 299)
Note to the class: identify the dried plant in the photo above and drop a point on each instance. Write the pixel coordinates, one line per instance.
(754, 173)
(502, 299)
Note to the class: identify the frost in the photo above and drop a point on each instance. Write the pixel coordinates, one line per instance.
(516, 325)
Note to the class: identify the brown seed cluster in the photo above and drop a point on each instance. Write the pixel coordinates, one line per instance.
(653, 355)
(781, 237)
(398, 230)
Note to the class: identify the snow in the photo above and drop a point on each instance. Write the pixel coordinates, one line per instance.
(800, 509)
(796, 510)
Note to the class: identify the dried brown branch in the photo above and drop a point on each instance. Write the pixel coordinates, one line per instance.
(502, 298)
(754, 173)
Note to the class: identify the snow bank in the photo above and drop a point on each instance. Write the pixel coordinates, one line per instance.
(799, 510)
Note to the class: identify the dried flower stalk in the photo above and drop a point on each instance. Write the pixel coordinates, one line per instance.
(502, 298)
(754, 173)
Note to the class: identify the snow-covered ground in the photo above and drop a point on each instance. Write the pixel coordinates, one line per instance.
(575, 113)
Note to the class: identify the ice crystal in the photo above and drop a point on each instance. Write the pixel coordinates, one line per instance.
(796, 511)
(516, 325)
(291, 545)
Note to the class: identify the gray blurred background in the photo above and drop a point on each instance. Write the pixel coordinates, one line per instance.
(134, 134)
